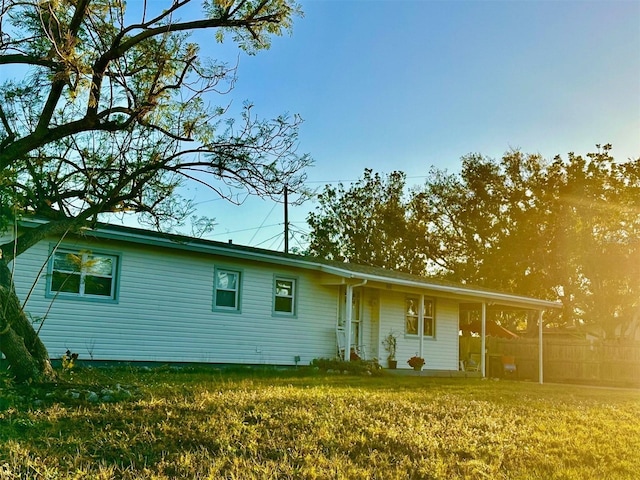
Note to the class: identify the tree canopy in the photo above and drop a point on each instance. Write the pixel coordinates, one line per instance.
(364, 224)
(566, 229)
(106, 109)
(111, 113)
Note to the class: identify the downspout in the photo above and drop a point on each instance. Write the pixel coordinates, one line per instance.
(540, 356)
(483, 344)
(349, 315)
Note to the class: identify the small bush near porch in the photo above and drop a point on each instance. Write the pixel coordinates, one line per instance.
(167, 423)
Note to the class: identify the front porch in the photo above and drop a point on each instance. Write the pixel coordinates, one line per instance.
(424, 317)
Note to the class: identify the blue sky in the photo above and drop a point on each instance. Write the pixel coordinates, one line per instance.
(406, 85)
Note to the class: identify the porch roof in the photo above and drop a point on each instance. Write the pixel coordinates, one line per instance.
(466, 293)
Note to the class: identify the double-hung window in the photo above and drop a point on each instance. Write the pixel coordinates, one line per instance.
(412, 317)
(227, 289)
(284, 296)
(81, 273)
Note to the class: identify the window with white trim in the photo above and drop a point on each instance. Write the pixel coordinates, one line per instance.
(284, 295)
(227, 289)
(82, 273)
(412, 317)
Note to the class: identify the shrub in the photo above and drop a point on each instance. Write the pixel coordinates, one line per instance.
(356, 367)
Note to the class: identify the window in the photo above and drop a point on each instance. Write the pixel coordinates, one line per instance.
(285, 296)
(227, 290)
(412, 316)
(429, 324)
(83, 274)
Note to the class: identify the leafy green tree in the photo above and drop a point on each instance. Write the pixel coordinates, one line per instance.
(482, 226)
(595, 238)
(479, 225)
(105, 110)
(365, 224)
(561, 229)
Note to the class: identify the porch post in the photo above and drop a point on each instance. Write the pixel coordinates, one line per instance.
(421, 325)
(347, 325)
(540, 355)
(483, 343)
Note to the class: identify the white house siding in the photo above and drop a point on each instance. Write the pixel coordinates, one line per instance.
(440, 353)
(365, 321)
(373, 323)
(164, 311)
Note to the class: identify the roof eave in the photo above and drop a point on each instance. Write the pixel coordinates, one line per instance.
(233, 251)
(466, 292)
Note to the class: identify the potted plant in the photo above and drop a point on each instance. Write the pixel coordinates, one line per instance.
(390, 343)
(416, 362)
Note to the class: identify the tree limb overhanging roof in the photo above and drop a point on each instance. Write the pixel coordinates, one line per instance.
(346, 271)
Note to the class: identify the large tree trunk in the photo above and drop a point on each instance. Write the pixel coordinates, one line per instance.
(19, 342)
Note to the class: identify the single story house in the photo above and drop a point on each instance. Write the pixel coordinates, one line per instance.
(117, 293)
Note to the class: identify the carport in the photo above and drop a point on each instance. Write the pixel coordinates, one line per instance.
(484, 327)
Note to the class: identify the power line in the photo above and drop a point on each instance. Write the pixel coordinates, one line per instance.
(245, 230)
(357, 179)
(265, 219)
(293, 235)
(268, 239)
(258, 228)
(280, 245)
(301, 231)
(293, 228)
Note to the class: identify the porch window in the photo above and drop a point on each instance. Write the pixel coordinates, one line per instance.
(227, 289)
(429, 322)
(412, 317)
(284, 296)
(81, 273)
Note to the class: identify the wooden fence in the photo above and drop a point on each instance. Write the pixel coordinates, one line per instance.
(565, 360)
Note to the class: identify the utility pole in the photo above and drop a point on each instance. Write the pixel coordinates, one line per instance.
(286, 219)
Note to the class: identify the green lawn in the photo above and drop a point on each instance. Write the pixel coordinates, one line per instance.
(166, 423)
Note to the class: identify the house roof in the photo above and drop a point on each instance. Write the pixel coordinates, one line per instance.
(346, 271)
